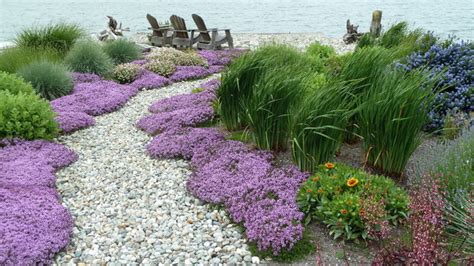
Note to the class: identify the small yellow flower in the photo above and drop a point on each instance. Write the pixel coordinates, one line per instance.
(320, 190)
(309, 190)
(329, 165)
(351, 182)
(315, 179)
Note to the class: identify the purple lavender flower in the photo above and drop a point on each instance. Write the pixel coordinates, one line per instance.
(182, 101)
(85, 77)
(150, 80)
(72, 121)
(139, 62)
(189, 72)
(220, 57)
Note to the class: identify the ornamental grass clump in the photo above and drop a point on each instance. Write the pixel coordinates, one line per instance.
(88, 57)
(319, 125)
(391, 117)
(59, 37)
(122, 51)
(126, 73)
(352, 203)
(50, 80)
(238, 82)
(161, 67)
(14, 58)
(268, 109)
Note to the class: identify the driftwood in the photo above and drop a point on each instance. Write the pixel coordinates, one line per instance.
(114, 30)
(352, 35)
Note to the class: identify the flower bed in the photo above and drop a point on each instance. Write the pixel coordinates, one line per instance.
(29, 205)
(257, 194)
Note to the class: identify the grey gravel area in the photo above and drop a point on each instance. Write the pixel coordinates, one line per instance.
(129, 208)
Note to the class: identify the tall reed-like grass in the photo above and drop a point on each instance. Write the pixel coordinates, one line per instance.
(59, 37)
(122, 51)
(238, 82)
(269, 106)
(319, 125)
(14, 58)
(88, 57)
(391, 116)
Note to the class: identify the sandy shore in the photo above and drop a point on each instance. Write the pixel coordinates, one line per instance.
(254, 40)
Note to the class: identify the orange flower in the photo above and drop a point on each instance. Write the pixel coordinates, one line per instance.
(329, 165)
(351, 182)
(343, 211)
(320, 190)
(315, 179)
(361, 212)
(309, 190)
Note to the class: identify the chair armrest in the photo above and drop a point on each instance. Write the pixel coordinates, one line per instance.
(183, 30)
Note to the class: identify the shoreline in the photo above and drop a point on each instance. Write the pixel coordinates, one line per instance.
(254, 40)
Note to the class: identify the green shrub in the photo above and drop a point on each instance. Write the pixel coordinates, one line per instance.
(50, 80)
(14, 58)
(160, 67)
(122, 51)
(238, 82)
(391, 116)
(14, 84)
(177, 57)
(88, 57)
(59, 37)
(126, 73)
(268, 108)
(319, 125)
(352, 203)
(26, 116)
(317, 50)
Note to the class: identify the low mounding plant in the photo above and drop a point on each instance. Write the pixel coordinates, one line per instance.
(26, 116)
(352, 203)
(14, 84)
(319, 125)
(268, 109)
(238, 82)
(177, 57)
(14, 58)
(50, 80)
(88, 57)
(391, 116)
(126, 73)
(160, 67)
(122, 51)
(59, 37)
(320, 51)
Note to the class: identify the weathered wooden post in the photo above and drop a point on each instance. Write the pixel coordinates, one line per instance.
(376, 25)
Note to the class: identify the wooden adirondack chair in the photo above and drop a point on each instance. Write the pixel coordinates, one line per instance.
(214, 40)
(160, 36)
(182, 37)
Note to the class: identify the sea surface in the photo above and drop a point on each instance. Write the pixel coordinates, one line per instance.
(444, 17)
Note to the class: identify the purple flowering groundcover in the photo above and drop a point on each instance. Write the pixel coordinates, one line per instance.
(255, 192)
(33, 223)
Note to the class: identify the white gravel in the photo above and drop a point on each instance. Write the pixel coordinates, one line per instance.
(129, 208)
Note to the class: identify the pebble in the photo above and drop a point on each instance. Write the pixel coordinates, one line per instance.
(129, 208)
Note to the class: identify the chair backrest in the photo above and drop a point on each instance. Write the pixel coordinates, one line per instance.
(204, 33)
(179, 24)
(154, 25)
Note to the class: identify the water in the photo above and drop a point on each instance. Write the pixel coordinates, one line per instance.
(445, 17)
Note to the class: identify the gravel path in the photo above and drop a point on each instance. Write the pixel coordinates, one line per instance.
(129, 208)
